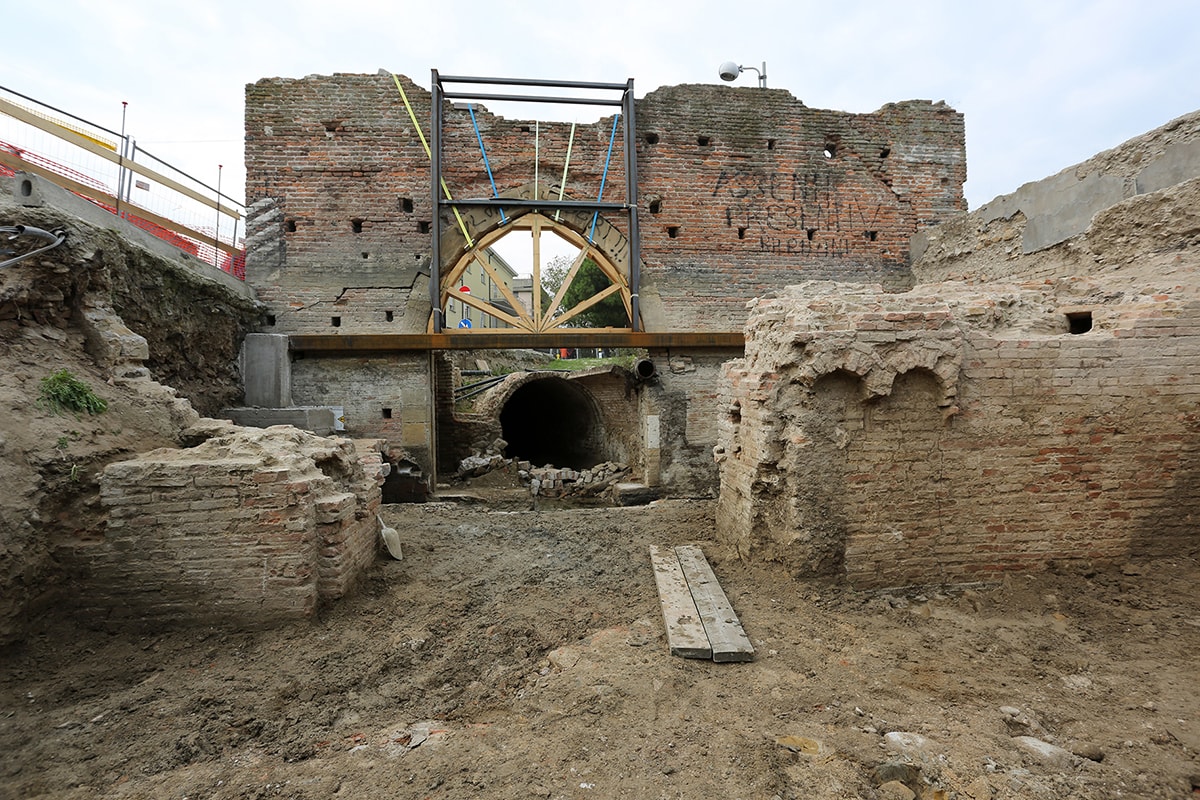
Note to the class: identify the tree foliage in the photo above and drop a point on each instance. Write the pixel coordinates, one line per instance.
(590, 279)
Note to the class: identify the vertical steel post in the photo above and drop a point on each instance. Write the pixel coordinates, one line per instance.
(121, 159)
(217, 232)
(631, 196)
(435, 186)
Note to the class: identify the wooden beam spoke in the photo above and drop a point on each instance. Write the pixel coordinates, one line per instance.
(505, 290)
(488, 308)
(570, 276)
(536, 232)
(584, 306)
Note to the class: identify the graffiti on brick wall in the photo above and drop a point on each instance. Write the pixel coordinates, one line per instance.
(803, 213)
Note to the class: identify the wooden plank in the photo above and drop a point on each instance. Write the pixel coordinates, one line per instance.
(729, 642)
(685, 633)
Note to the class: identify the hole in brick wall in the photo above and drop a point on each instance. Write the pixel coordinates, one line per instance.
(830, 149)
(885, 152)
(526, 129)
(290, 226)
(406, 205)
(271, 320)
(741, 233)
(651, 138)
(389, 315)
(332, 125)
(387, 413)
(703, 141)
(655, 205)
(366, 255)
(335, 322)
(810, 233)
(423, 226)
(356, 225)
(770, 144)
(26, 188)
(945, 181)
(673, 231)
(1079, 321)
(872, 235)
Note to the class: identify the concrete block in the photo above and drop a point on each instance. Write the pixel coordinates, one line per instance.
(1178, 163)
(266, 369)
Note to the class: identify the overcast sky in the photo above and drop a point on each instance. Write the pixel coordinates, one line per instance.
(1043, 84)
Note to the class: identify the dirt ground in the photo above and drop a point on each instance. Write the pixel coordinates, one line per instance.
(521, 654)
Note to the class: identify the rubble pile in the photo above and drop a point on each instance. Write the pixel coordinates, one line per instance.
(550, 481)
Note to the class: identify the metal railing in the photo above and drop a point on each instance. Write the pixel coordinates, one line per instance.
(109, 169)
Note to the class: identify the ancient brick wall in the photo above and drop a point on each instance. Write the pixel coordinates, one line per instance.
(385, 397)
(250, 528)
(742, 191)
(943, 437)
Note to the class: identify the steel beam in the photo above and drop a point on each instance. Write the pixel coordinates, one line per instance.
(365, 343)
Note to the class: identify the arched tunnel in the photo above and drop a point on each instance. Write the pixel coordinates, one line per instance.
(553, 421)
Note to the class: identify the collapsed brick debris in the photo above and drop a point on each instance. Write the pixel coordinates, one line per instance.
(549, 481)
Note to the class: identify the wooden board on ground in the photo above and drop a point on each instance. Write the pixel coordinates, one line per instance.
(685, 632)
(725, 635)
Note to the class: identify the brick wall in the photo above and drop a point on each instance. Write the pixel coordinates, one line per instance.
(251, 528)
(916, 438)
(742, 191)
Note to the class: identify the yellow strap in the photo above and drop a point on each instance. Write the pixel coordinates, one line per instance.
(563, 183)
(445, 189)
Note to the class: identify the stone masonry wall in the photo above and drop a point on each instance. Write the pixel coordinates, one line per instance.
(250, 528)
(384, 397)
(947, 434)
(741, 191)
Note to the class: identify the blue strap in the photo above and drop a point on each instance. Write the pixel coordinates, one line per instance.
(487, 166)
(612, 137)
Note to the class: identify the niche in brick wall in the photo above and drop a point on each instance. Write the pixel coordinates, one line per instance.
(1079, 322)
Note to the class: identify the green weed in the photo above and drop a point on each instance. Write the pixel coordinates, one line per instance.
(62, 391)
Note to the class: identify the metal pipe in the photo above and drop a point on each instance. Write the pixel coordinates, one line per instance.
(55, 238)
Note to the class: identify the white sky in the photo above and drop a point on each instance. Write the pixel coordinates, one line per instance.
(1044, 84)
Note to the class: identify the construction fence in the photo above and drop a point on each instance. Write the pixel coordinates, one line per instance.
(109, 169)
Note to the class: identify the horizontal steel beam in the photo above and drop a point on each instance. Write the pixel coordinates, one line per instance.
(558, 84)
(364, 343)
(516, 202)
(532, 98)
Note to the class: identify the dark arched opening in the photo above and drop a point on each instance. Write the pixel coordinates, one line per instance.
(553, 421)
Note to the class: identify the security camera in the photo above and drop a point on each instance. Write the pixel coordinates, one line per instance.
(730, 70)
